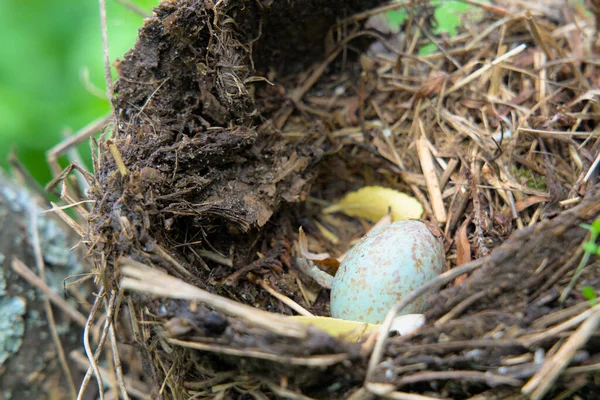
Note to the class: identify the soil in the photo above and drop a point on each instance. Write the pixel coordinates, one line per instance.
(206, 165)
(236, 121)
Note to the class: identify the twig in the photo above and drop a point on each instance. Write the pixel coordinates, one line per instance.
(144, 279)
(286, 300)
(116, 357)
(168, 376)
(387, 391)
(159, 251)
(84, 133)
(134, 8)
(560, 135)
(431, 178)
(88, 351)
(61, 176)
(107, 322)
(460, 307)
(134, 387)
(67, 219)
(308, 83)
(542, 381)
(24, 272)
(560, 315)
(582, 369)
(41, 266)
(379, 10)
(284, 393)
(314, 361)
(117, 157)
(389, 318)
(592, 168)
(107, 75)
(530, 340)
(475, 376)
(469, 78)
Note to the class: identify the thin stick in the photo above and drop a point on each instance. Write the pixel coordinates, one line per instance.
(460, 307)
(592, 168)
(117, 156)
(389, 318)
(323, 360)
(24, 272)
(134, 387)
(107, 322)
(134, 8)
(41, 266)
(141, 278)
(284, 393)
(489, 378)
(159, 251)
(67, 219)
(116, 357)
(542, 381)
(469, 78)
(83, 134)
(286, 300)
(431, 178)
(530, 340)
(379, 10)
(88, 351)
(109, 87)
(62, 175)
(387, 391)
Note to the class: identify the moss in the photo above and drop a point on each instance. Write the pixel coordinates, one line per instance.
(530, 179)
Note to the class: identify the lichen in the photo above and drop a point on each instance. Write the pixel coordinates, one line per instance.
(19, 302)
(12, 326)
(2, 279)
(53, 240)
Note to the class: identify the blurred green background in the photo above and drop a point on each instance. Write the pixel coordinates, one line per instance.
(47, 47)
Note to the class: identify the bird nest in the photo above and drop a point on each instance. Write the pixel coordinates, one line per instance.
(237, 122)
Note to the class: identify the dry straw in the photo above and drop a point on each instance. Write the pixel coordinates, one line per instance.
(494, 133)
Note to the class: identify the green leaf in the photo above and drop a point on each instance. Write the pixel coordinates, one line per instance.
(448, 15)
(596, 226)
(395, 19)
(590, 247)
(590, 294)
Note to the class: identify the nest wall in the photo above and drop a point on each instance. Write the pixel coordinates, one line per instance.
(230, 115)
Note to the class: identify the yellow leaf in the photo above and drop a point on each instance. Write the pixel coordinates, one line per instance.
(374, 202)
(353, 331)
(350, 331)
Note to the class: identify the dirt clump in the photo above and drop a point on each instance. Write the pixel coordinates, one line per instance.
(237, 121)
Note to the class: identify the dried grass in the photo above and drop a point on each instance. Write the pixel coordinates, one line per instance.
(495, 133)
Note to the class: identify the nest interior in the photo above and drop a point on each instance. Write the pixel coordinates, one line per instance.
(236, 121)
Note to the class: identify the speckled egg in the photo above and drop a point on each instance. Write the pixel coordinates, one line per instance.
(387, 264)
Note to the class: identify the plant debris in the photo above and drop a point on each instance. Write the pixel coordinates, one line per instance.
(236, 123)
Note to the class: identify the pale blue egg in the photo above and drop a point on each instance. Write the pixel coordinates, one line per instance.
(384, 266)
